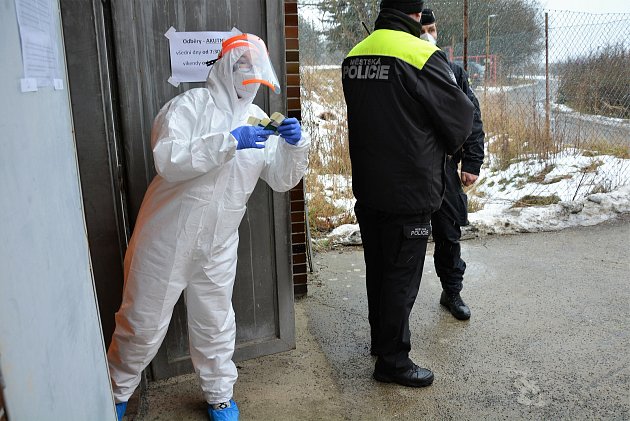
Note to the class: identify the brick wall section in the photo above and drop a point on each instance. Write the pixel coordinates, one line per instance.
(298, 225)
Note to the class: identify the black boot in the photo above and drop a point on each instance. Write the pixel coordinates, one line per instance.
(412, 377)
(455, 304)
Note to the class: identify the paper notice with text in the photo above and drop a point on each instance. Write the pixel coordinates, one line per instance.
(40, 54)
(189, 53)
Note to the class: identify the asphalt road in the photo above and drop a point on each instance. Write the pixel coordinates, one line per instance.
(528, 102)
(549, 337)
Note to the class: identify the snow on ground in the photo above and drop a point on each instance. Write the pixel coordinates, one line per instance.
(591, 210)
(589, 117)
(342, 185)
(585, 190)
(590, 190)
(497, 89)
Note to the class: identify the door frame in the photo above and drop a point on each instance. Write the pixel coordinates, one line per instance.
(94, 84)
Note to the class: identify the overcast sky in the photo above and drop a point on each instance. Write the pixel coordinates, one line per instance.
(601, 6)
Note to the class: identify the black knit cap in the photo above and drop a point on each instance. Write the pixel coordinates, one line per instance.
(427, 17)
(405, 6)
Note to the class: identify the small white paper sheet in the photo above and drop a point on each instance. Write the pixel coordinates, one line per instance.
(190, 51)
(40, 53)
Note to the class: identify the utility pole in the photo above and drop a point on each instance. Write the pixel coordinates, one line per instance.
(487, 64)
(465, 53)
(547, 99)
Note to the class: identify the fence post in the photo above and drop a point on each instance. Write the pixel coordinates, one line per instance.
(465, 53)
(547, 99)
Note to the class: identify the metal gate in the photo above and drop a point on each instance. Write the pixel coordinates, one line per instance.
(118, 66)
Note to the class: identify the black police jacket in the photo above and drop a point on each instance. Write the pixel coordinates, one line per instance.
(405, 113)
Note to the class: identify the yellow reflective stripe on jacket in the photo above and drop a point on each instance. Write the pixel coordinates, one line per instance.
(398, 44)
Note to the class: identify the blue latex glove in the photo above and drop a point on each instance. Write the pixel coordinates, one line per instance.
(251, 137)
(290, 130)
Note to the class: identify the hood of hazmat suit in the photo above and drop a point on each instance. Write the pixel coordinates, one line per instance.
(186, 234)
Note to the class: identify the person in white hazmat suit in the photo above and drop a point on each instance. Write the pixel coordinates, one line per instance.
(208, 162)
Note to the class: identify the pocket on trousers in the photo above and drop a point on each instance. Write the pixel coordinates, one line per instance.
(413, 244)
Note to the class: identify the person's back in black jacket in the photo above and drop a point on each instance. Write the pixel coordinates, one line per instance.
(405, 113)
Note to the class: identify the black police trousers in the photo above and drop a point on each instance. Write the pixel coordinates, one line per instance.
(446, 224)
(394, 247)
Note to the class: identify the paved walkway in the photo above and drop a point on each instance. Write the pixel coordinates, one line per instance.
(549, 339)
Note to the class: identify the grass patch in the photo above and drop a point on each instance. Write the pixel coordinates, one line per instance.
(557, 179)
(329, 153)
(592, 167)
(597, 84)
(321, 245)
(515, 130)
(531, 200)
(474, 204)
(323, 215)
(602, 147)
(327, 125)
(517, 134)
(540, 177)
(472, 191)
(601, 188)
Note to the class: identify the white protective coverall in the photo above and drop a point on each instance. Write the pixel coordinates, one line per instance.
(186, 234)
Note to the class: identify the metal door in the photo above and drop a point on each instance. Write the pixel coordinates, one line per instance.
(132, 55)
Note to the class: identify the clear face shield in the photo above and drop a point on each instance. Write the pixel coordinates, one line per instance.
(252, 66)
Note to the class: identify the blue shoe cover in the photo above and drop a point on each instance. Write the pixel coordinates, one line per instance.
(226, 414)
(120, 409)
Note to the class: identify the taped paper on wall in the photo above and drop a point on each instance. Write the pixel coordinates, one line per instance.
(189, 53)
(40, 53)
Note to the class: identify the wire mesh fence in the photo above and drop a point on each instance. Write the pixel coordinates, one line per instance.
(554, 89)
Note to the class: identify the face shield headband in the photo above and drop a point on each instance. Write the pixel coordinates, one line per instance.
(253, 60)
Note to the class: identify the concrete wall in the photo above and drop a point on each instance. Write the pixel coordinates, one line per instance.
(51, 347)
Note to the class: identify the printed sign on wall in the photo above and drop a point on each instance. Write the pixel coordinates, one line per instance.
(189, 53)
(40, 54)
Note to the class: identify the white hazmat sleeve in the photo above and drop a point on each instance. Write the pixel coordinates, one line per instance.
(191, 137)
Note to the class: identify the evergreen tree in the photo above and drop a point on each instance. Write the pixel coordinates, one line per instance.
(344, 19)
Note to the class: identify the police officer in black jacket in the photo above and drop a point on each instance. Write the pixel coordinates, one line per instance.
(453, 213)
(405, 114)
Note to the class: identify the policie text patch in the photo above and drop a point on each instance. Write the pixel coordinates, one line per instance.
(362, 68)
(417, 230)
